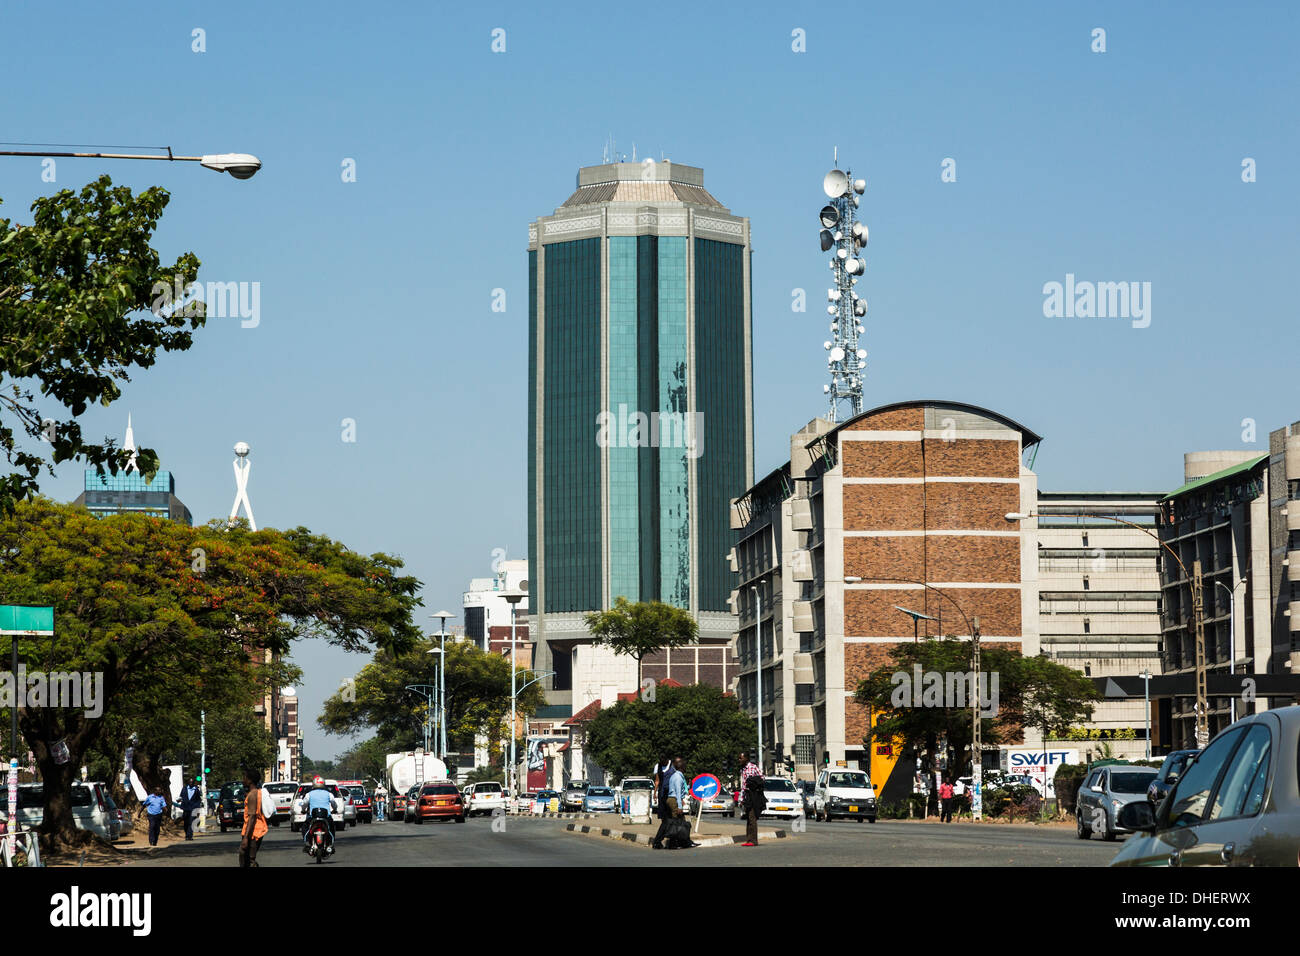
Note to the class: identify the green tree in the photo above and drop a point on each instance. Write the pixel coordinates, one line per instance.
(477, 687)
(364, 761)
(165, 612)
(76, 291)
(697, 722)
(635, 630)
(1027, 689)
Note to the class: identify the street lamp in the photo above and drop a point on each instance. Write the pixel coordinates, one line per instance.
(437, 695)
(1232, 638)
(1198, 624)
(442, 700)
(239, 165)
(758, 642)
(1146, 704)
(915, 616)
(514, 597)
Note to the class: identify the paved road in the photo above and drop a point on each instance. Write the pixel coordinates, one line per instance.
(540, 842)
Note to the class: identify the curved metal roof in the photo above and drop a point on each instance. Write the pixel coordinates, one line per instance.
(1028, 437)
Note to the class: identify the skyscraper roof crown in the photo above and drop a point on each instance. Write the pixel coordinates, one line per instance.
(643, 182)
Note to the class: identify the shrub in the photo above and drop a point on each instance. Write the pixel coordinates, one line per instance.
(1066, 783)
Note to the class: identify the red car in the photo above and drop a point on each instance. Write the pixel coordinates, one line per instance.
(439, 801)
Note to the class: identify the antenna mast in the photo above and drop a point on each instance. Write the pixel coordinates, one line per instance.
(842, 233)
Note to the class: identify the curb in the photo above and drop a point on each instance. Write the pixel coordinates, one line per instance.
(556, 816)
(644, 839)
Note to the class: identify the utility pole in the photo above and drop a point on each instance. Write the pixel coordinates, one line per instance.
(758, 641)
(203, 770)
(1198, 622)
(976, 746)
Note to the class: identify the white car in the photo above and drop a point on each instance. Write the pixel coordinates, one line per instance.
(784, 799)
(300, 812)
(485, 798)
(92, 808)
(844, 793)
(283, 791)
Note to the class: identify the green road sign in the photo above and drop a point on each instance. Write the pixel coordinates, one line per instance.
(15, 619)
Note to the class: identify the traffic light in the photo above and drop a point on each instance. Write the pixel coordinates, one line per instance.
(826, 757)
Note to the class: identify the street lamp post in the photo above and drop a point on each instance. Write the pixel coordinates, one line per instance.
(758, 642)
(442, 695)
(1232, 638)
(441, 750)
(239, 165)
(426, 691)
(1198, 610)
(514, 597)
(1146, 704)
(915, 616)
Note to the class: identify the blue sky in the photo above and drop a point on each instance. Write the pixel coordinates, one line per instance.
(376, 295)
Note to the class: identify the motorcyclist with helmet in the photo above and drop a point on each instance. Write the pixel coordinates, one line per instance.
(320, 804)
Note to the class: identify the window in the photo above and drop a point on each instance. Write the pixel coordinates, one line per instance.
(805, 748)
(1085, 544)
(1085, 587)
(1087, 629)
(1242, 792)
(803, 694)
(1193, 791)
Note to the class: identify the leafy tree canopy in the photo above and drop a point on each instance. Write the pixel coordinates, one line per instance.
(76, 289)
(636, 630)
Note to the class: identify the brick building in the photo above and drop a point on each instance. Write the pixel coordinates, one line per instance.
(840, 539)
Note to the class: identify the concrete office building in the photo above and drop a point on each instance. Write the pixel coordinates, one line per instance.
(486, 610)
(639, 415)
(864, 514)
(1239, 515)
(1099, 600)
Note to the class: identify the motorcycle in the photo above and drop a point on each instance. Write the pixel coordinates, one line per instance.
(320, 841)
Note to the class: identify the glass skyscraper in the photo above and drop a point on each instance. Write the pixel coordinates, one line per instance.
(128, 492)
(640, 402)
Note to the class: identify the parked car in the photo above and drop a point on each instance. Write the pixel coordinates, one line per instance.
(1104, 793)
(230, 806)
(546, 796)
(349, 807)
(721, 802)
(485, 797)
(600, 800)
(784, 799)
(1236, 804)
(283, 791)
(412, 801)
(524, 802)
(439, 801)
(844, 793)
(1170, 770)
(574, 794)
(299, 811)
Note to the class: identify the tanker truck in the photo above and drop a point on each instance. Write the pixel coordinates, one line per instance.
(405, 770)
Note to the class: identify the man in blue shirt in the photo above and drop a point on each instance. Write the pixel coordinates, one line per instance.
(318, 798)
(154, 805)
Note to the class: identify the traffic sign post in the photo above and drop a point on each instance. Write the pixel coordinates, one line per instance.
(704, 787)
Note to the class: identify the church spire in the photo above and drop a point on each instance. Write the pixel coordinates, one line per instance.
(128, 444)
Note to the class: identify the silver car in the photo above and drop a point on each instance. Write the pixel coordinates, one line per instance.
(1104, 793)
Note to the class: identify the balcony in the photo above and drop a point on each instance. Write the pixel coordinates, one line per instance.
(801, 565)
(1293, 566)
(1293, 609)
(1293, 516)
(803, 617)
(801, 514)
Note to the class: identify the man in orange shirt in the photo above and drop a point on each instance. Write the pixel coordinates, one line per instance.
(254, 820)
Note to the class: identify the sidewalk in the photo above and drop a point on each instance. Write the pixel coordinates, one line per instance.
(711, 832)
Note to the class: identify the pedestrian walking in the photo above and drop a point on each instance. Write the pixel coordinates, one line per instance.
(381, 802)
(754, 803)
(747, 769)
(945, 801)
(254, 820)
(154, 806)
(663, 768)
(679, 825)
(191, 803)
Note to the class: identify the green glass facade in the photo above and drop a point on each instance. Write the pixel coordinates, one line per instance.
(571, 466)
(720, 398)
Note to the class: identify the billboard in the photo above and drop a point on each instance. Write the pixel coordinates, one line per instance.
(1033, 762)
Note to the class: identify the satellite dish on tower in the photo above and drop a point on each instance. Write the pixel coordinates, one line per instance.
(837, 354)
(829, 216)
(836, 184)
